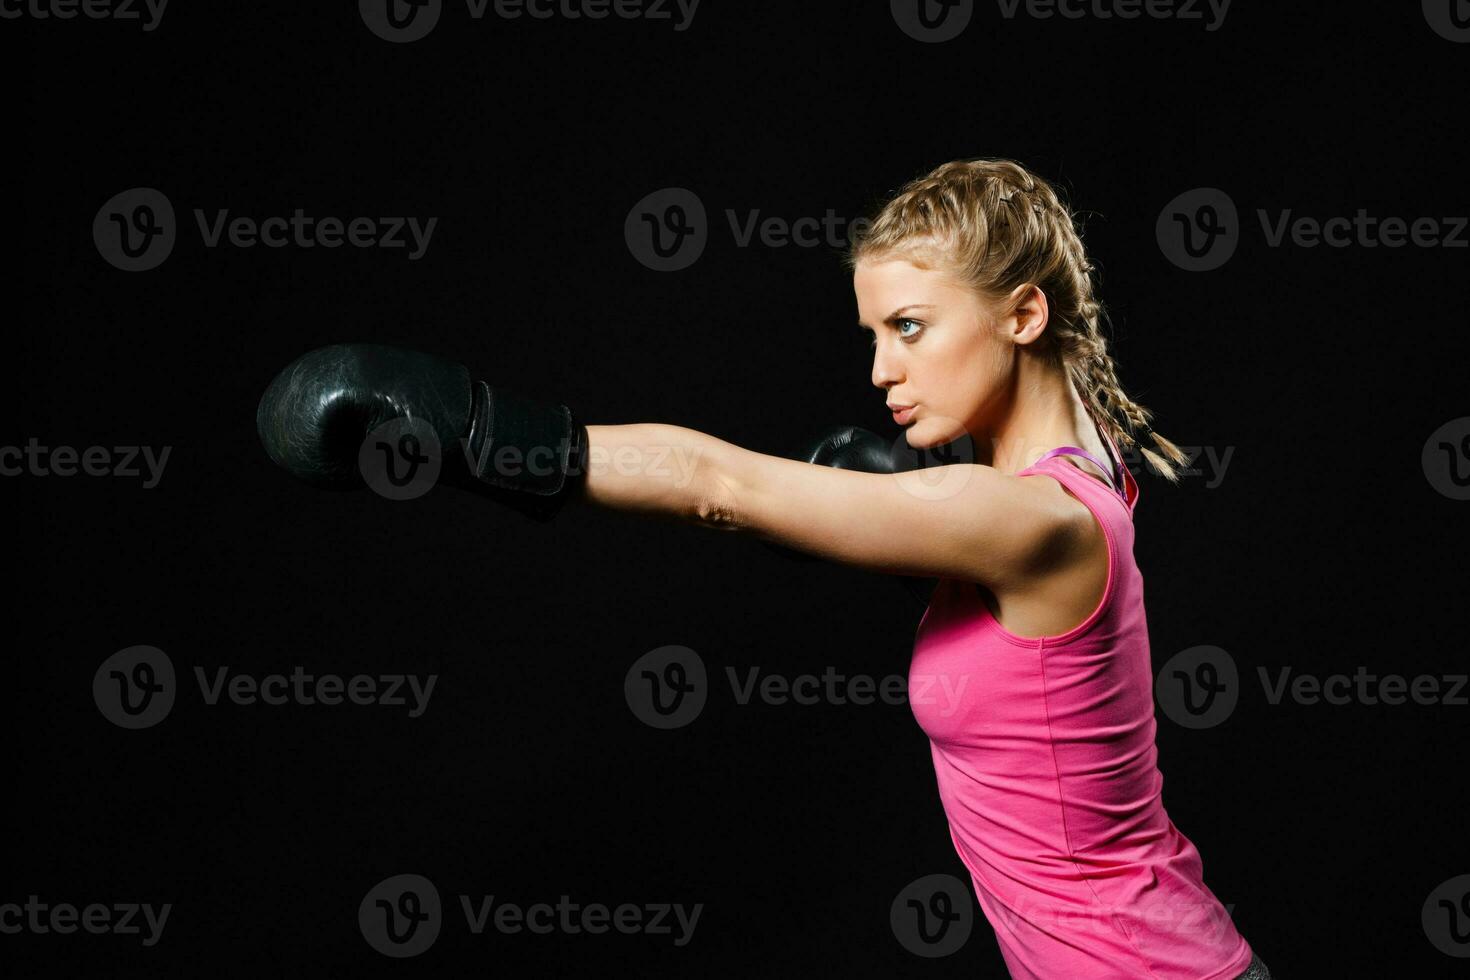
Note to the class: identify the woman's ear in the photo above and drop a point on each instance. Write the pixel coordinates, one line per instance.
(1029, 313)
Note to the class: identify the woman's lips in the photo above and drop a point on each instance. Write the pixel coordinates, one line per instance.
(903, 415)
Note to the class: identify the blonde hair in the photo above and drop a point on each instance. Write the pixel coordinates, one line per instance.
(997, 226)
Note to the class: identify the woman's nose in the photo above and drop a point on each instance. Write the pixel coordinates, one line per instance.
(886, 370)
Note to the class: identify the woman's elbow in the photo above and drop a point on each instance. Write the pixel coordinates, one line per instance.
(717, 504)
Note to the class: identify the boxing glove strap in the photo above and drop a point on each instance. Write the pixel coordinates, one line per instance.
(522, 444)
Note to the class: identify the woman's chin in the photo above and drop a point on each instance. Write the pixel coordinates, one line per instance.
(918, 436)
(925, 434)
(928, 435)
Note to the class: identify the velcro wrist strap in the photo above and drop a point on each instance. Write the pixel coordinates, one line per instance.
(522, 444)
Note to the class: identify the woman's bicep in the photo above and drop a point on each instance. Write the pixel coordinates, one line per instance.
(960, 521)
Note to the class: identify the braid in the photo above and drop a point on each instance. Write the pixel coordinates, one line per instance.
(1091, 366)
(1095, 375)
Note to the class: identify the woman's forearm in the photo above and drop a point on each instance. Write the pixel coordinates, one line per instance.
(656, 469)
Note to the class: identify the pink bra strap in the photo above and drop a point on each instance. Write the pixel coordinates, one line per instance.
(1074, 451)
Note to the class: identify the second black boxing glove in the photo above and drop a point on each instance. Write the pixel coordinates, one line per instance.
(853, 448)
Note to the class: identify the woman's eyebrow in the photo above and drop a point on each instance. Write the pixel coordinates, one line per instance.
(898, 313)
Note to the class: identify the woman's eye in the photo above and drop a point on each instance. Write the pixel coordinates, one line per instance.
(902, 335)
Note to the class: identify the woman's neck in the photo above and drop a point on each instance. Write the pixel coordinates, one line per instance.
(1045, 412)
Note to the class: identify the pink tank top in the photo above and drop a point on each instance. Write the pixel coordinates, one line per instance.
(1045, 759)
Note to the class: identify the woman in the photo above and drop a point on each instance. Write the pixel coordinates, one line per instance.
(980, 298)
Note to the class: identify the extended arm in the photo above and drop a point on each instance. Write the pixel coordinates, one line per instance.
(655, 469)
(961, 521)
(326, 413)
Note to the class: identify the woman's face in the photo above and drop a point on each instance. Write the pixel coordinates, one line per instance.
(935, 347)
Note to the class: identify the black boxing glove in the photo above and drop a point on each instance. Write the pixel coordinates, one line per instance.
(316, 415)
(854, 448)
(846, 448)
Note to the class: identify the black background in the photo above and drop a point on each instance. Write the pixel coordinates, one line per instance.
(1324, 547)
